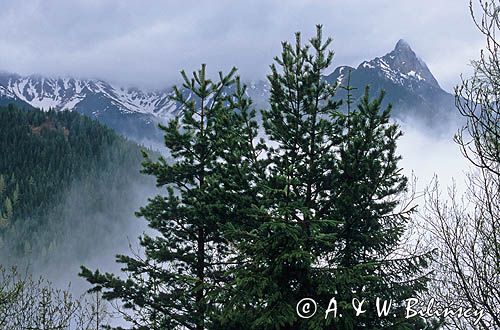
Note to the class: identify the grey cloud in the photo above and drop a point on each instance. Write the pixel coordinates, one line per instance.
(146, 43)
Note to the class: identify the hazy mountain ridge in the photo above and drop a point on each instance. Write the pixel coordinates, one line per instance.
(135, 112)
(130, 111)
(67, 93)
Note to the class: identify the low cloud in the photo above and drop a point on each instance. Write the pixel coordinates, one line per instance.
(134, 43)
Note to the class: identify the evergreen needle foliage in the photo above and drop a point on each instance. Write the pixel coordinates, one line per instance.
(171, 287)
(325, 220)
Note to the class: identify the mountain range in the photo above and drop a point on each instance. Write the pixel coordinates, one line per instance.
(409, 85)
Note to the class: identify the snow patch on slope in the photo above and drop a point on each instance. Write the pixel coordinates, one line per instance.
(67, 93)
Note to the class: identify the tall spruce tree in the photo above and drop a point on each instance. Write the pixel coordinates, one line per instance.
(369, 185)
(321, 219)
(171, 287)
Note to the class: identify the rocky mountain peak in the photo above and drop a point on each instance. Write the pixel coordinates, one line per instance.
(402, 46)
(404, 60)
(402, 66)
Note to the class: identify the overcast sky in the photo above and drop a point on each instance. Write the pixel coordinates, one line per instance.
(146, 43)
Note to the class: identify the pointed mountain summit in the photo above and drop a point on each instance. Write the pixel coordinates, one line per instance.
(402, 66)
(409, 84)
(405, 59)
(402, 45)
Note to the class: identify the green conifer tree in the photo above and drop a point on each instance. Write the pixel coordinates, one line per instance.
(369, 188)
(7, 203)
(322, 220)
(171, 287)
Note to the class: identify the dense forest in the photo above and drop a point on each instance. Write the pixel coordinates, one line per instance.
(60, 170)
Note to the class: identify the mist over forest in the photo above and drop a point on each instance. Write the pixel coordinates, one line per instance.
(91, 239)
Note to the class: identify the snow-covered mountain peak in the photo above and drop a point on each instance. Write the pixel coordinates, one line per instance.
(402, 66)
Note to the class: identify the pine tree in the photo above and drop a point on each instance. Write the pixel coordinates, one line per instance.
(3, 217)
(322, 220)
(369, 188)
(7, 203)
(173, 285)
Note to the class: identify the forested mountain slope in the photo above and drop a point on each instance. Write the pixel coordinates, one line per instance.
(67, 183)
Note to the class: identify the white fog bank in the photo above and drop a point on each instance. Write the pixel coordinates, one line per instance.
(427, 154)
